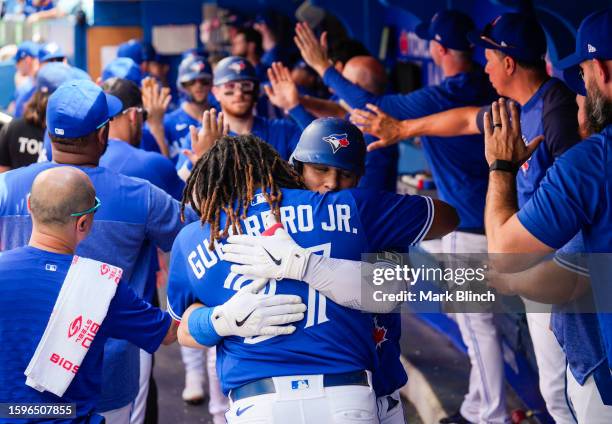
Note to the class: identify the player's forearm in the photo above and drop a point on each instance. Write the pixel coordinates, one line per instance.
(157, 130)
(501, 205)
(4, 169)
(171, 334)
(450, 123)
(349, 283)
(321, 108)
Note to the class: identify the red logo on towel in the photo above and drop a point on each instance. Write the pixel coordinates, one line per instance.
(104, 269)
(75, 326)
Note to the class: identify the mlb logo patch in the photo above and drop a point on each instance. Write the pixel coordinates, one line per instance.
(337, 141)
(258, 199)
(299, 384)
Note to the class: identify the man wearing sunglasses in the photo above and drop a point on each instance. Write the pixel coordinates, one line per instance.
(62, 213)
(236, 87)
(193, 82)
(135, 215)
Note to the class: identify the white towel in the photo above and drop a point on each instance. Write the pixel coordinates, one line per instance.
(79, 310)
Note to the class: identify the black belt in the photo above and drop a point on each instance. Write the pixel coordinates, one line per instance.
(471, 230)
(266, 385)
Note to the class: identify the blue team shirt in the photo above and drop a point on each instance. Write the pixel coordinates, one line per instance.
(128, 160)
(22, 95)
(552, 111)
(577, 331)
(458, 164)
(176, 128)
(28, 290)
(133, 212)
(576, 195)
(330, 338)
(282, 134)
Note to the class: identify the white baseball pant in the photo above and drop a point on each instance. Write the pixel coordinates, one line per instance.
(390, 409)
(551, 366)
(306, 405)
(586, 401)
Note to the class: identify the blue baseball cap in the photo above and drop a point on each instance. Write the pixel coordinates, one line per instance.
(50, 51)
(78, 108)
(449, 28)
(25, 49)
(123, 67)
(52, 75)
(592, 42)
(132, 49)
(518, 35)
(233, 68)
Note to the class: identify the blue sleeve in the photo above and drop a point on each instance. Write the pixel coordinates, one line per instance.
(148, 142)
(568, 195)
(270, 56)
(300, 115)
(180, 292)
(422, 102)
(560, 120)
(131, 318)
(164, 220)
(393, 220)
(572, 256)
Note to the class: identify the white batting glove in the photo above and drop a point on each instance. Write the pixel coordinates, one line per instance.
(276, 256)
(250, 314)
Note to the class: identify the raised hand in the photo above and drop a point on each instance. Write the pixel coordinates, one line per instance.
(503, 135)
(202, 140)
(314, 52)
(282, 91)
(376, 122)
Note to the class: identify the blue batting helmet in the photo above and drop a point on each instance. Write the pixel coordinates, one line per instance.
(234, 68)
(193, 68)
(333, 142)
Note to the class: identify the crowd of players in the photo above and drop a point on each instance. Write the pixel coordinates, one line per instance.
(503, 144)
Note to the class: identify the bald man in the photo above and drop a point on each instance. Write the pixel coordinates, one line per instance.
(367, 73)
(62, 204)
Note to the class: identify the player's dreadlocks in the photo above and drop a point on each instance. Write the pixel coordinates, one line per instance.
(227, 176)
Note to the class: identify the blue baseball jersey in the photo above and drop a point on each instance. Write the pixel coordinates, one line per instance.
(552, 112)
(133, 212)
(458, 164)
(390, 374)
(576, 195)
(128, 160)
(282, 134)
(23, 93)
(577, 331)
(30, 281)
(330, 338)
(176, 129)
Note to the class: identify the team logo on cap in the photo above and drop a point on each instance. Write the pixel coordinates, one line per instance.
(337, 141)
(238, 66)
(198, 67)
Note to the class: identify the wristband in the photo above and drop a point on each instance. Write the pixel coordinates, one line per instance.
(201, 328)
(503, 165)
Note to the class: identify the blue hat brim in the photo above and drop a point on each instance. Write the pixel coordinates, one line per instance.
(422, 31)
(571, 73)
(114, 105)
(474, 38)
(53, 56)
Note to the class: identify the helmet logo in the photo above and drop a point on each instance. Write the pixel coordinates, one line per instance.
(336, 141)
(237, 67)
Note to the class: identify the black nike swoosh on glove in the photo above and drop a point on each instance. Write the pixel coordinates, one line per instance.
(276, 261)
(241, 323)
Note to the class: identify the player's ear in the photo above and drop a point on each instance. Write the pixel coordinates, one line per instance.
(601, 71)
